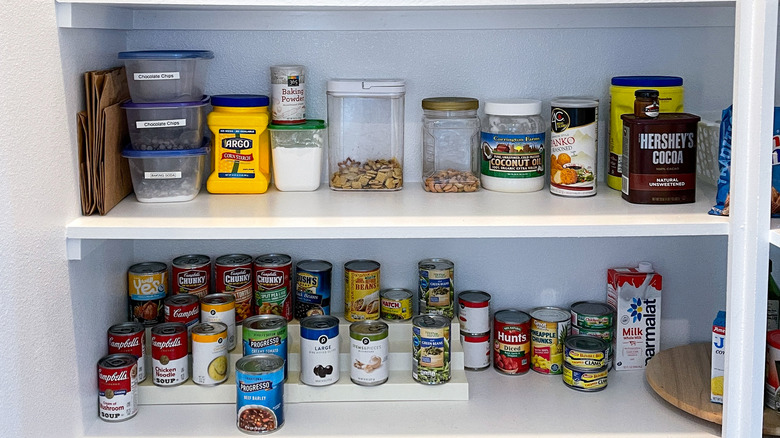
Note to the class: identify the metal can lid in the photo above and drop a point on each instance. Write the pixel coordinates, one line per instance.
(431, 321)
(512, 316)
(396, 294)
(270, 260)
(233, 260)
(169, 328)
(586, 343)
(435, 263)
(550, 314)
(450, 103)
(474, 296)
(181, 300)
(218, 299)
(117, 360)
(191, 261)
(126, 328)
(148, 268)
(361, 265)
(374, 330)
(261, 363)
(264, 322)
(314, 265)
(575, 102)
(319, 322)
(207, 328)
(592, 308)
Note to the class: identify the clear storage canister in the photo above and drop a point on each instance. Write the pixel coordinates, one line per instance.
(513, 141)
(450, 144)
(297, 155)
(366, 135)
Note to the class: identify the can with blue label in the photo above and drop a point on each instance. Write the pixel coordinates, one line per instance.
(260, 393)
(319, 350)
(312, 288)
(266, 334)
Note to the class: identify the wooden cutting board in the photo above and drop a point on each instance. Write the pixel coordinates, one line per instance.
(681, 376)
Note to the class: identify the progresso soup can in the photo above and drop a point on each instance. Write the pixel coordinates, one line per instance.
(361, 290)
(191, 274)
(147, 285)
(512, 341)
(259, 393)
(319, 350)
(431, 349)
(117, 387)
(265, 334)
(273, 293)
(369, 349)
(312, 288)
(437, 287)
(233, 274)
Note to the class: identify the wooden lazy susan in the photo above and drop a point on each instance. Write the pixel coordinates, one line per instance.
(681, 376)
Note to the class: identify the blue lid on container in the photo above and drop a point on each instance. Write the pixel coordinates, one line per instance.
(647, 81)
(167, 54)
(239, 100)
(130, 104)
(131, 153)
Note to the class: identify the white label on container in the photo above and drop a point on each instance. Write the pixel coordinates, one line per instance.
(143, 124)
(162, 175)
(161, 76)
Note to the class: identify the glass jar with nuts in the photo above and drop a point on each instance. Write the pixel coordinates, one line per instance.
(451, 133)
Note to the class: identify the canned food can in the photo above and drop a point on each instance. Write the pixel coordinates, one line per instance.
(585, 380)
(369, 349)
(312, 288)
(272, 285)
(288, 104)
(265, 334)
(209, 353)
(437, 287)
(183, 308)
(474, 311)
(191, 275)
(592, 315)
(395, 304)
(170, 365)
(234, 277)
(772, 383)
(511, 341)
(259, 393)
(431, 349)
(549, 327)
(130, 338)
(117, 387)
(220, 308)
(574, 135)
(147, 285)
(605, 334)
(476, 350)
(361, 290)
(586, 353)
(319, 350)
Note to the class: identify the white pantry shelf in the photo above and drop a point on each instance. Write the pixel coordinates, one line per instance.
(774, 233)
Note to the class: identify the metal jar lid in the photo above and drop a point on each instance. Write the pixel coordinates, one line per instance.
(264, 322)
(191, 261)
(450, 103)
(233, 260)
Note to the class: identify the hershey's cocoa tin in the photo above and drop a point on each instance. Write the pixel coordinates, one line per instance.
(361, 290)
(437, 287)
(659, 158)
(573, 146)
(369, 349)
(209, 353)
(474, 311)
(476, 350)
(431, 349)
(259, 393)
(234, 276)
(130, 338)
(117, 387)
(512, 341)
(312, 288)
(220, 308)
(272, 291)
(191, 274)
(319, 350)
(265, 334)
(170, 365)
(147, 285)
(395, 304)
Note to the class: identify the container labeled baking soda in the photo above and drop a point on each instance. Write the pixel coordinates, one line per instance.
(635, 294)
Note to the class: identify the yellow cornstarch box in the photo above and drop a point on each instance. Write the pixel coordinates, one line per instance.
(718, 357)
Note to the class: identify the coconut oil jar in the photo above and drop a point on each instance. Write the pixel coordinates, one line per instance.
(512, 146)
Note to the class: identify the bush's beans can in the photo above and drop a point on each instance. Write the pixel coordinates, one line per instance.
(319, 350)
(312, 288)
(476, 350)
(431, 349)
(234, 276)
(604, 334)
(220, 308)
(259, 393)
(592, 314)
(265, 334)
(549, 327)
(272, 285)
(585, 380)
(183, 308)
(361, 290)
(574, 138)
(191, 274)
(288, 106)
(474, 311)
(147, 285)
(170, 365)
(369, 349)
(437, 287)
(117, 387)
(586, 353)
(512, 341)
(130, 338)
(209, 353)
(395, 304)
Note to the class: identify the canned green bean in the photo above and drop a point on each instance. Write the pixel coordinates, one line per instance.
(437, 287)
(431, 349)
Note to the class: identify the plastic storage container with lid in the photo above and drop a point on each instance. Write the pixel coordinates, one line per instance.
(512, 145)
(366, 135)
(239, 124)
(297, 155)
(166, 176)
(166, 75)
(166, 126)
(450, 144)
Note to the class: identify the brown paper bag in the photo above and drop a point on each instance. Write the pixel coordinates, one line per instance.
(116, 182)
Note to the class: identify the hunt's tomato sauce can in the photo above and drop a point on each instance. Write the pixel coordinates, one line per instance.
(272, 286)
(130, 338)
(512, 341)
(191, 275)
(117, 387)
(170, 365)
(233, 274)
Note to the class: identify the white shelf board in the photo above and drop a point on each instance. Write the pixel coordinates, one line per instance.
(528, 405)
(774, 233)
(408, 213)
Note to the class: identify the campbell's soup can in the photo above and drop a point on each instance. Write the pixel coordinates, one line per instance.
(117, 387)
(272, 292)
(220, 308)
(549, 328)
(437, 287)
(361, 290)
(312, 288)
(170, 365)
(130, 338)
(319, 350)
(474, 311)
(574, 139)
(476, 350)
(369, 349)
(191, 274)
(772, 383)
(265, 334)
(233, 274)
(259, 393)
(512, 341)
(395, 304)
(209, 353)
(147, 285)
(431, 349)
